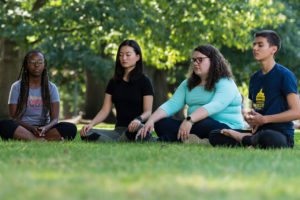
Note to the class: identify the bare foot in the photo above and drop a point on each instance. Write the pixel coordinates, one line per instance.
(234, 134)
(53, 135)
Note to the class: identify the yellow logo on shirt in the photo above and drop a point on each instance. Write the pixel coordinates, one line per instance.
(260, 100)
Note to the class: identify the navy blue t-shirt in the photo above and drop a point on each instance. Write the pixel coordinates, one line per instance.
(128, 98)
(268, 92)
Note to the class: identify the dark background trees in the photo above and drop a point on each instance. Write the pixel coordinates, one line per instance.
(80, 39)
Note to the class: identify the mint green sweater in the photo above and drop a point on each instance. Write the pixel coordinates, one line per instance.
(222, 104)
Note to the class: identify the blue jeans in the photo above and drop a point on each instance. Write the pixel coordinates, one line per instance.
(167, 128)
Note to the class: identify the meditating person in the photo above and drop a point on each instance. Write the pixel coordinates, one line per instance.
(34, 105)
(131, 91)
(273, 91)
(211, 95)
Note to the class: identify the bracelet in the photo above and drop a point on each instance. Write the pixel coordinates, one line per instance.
(139, 118)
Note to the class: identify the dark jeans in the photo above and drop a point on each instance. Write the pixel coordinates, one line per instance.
(8, 127)
(167, 128)
(263, 138)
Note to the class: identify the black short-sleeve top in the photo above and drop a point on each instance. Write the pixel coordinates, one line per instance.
(128, 98)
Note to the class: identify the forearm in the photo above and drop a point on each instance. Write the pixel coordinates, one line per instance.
(199, 114)
(145, 115)
(286, 116)
(52, 123)
(158, 115)
(102, 114)
(147, 107)
(292, 114)
(27, 126)
(177, 101)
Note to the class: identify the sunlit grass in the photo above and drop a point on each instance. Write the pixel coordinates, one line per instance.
(79, 170)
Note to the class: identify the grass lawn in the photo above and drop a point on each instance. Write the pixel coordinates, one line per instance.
(78, 170)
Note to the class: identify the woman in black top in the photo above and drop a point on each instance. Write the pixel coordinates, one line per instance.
(132, 94)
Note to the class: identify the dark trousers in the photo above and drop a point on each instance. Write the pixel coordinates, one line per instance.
(167, 128)
(263, 138)
(8, 127)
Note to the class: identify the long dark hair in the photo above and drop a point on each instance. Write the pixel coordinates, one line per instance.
(137, 71)
(24, 89)
(219, 68)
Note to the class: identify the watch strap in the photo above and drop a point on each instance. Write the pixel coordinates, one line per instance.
(188, 118)
(139, 118)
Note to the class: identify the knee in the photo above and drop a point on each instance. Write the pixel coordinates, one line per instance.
(159, 123)
(272, 139)
(67, 130)
(158, 126)
(213, 137)
(4, 122)
(7, 128)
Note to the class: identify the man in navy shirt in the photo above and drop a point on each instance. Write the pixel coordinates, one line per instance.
(275, 103)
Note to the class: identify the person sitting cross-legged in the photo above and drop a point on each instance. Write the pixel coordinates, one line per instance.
(212, 97)
(131, 91)
(273, 91)
(34, 105)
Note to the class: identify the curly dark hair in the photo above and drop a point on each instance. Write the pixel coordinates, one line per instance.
(219, 68)
(24, 89)
(137, 72)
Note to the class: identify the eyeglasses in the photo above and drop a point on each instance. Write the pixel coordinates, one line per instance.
(34, 62)
(197, 60)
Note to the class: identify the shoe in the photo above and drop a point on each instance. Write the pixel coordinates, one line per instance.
(194, 139)
(147, 138)
(91, 137)
(130, 135)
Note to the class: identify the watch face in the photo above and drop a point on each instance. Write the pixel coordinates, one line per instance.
(188, 118)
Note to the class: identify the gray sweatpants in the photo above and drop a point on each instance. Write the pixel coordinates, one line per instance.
(116, 135)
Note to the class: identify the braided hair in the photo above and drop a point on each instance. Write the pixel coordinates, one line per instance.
(24, 89)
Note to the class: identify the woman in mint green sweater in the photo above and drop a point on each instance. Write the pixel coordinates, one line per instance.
(211, 95)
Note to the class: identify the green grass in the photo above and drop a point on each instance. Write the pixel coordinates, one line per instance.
(78, 170)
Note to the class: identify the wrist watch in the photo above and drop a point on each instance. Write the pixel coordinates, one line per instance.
(139, 118)
(188, 118)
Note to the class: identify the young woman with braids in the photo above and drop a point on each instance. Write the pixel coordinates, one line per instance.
(212, 98)
(131, 91)
(34, 105)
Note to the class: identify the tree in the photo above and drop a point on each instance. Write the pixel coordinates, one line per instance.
(79, 37)
(10, 58)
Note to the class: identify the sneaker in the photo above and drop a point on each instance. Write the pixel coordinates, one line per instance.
(91, 137)
(130, 135)
(194, 139)
(147, 138)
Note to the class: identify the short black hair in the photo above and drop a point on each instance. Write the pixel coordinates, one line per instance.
(272, 37)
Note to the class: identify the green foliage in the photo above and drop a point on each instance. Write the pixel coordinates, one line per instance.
(243, 64)
(81, 34)
(77, 33)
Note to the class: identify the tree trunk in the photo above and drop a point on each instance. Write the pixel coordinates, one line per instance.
(10, 64)
(95, 91)
(161, 88)
(159, 81)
